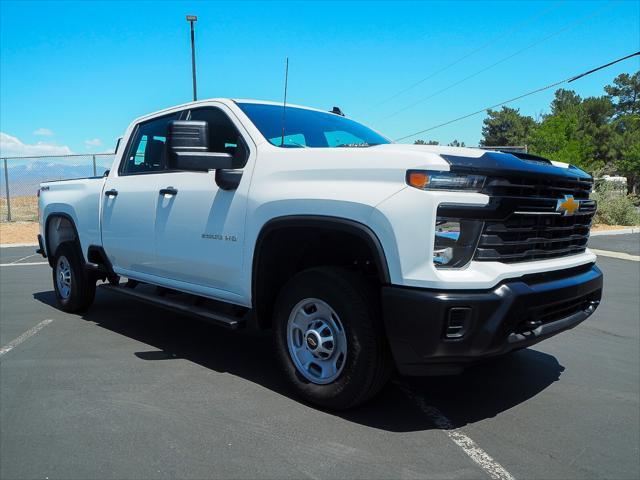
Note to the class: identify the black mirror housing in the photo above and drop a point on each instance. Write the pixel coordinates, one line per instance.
(200, 161)
(188, 136)
(188, 145)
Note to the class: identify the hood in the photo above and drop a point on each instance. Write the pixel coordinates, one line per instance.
(489, 162)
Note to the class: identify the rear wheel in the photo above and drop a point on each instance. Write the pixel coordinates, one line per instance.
(329, 337)
(75, 288)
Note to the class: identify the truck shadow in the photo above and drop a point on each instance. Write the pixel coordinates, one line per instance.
(483, 391)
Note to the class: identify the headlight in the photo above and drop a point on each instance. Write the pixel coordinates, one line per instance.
(455, 241)
(428, 180)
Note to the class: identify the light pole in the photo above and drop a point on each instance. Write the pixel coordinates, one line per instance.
(192, 19)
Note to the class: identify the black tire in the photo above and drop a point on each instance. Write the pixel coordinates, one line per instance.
(82, 288)
(356, 302)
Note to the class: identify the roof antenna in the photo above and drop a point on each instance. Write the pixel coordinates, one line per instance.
(284, 104)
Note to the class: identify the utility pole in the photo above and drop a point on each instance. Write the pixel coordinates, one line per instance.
(193, 19)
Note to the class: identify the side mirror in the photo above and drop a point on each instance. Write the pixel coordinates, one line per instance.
(188, 145)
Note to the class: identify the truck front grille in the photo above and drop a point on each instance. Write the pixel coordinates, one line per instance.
(534, 230)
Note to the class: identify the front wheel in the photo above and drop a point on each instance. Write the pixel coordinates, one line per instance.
(75, 288)
(329, 337)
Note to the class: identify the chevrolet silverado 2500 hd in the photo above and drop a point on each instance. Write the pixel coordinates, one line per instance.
(359, 253)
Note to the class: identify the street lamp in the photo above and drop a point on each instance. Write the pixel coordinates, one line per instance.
(192, 19)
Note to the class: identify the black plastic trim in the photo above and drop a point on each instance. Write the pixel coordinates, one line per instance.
(329, 222)
(97, 259)
(192, 309)
(228, 179)
(41, 250)
(415, 318)
(49, 253)
(506, 164)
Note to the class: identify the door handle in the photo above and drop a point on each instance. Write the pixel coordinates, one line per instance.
(111, 193)
(169, 191)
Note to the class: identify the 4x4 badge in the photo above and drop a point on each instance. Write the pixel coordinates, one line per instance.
(567, 206)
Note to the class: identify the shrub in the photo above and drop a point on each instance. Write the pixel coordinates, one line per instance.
(614, 207)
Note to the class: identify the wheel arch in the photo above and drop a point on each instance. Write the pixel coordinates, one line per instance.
(354, 233)
(56, 233)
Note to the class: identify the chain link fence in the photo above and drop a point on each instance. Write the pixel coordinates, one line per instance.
(20, 178)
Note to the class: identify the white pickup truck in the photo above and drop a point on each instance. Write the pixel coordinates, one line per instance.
(359, 253)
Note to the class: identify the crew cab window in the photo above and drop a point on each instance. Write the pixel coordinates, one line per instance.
(224, 137)
(147, 152)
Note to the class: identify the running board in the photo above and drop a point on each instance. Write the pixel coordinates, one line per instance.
(217, 318)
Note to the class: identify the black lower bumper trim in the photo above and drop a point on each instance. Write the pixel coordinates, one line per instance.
(424, 333)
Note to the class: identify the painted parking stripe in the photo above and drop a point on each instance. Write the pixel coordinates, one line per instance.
(490, 466)
(29, 333)
(620, 255)
(24, 258)
(17, 245)
(24, 264)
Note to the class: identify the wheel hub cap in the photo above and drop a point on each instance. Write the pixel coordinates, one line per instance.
(317, 341)
(313, 340)
(63, 277)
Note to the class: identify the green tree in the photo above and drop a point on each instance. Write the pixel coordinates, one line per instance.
(564, 101)
(625, 93)
(577, 131)
(428, 142)
(506, 127)
(596, 114)
(559, 138)
(456, 143)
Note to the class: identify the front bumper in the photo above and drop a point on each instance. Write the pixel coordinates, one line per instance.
(434, 332)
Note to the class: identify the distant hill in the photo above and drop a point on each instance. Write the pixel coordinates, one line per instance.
(25, 177)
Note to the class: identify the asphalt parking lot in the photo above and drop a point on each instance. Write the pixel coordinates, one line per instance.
(131, 391)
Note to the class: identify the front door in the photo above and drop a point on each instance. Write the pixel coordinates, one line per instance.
(200, 227)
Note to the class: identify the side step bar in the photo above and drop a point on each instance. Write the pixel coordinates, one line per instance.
(207, 315)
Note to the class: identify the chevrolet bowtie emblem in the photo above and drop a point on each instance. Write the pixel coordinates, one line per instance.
(567, 206)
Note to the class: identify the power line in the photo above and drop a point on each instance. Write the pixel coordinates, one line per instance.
(473, 52)
(502, 60)
(555, 84)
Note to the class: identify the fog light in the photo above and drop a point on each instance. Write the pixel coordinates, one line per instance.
(442, 257)
(455, 241)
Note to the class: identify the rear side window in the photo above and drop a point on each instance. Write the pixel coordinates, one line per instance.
(147, 152)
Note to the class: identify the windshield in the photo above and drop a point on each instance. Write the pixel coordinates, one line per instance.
(309, 128)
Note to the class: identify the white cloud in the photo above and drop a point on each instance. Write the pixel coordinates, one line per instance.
(12, 147)
(94, 142)
(43, 132)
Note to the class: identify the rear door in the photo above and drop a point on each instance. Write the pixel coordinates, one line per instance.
(130, 197)
(200, 228)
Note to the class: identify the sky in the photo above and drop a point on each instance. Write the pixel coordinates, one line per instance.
(74, 74)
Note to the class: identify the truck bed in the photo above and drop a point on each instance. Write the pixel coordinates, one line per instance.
(80, 200)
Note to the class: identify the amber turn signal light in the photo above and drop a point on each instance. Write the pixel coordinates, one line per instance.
(418, 179)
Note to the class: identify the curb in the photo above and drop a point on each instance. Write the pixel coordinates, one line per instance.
(622, 231)
(10, 245)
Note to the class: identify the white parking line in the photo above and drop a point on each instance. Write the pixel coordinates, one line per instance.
(468, 446)
(29, 333)
(25, 264)
(24, 258)
(620, 255)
